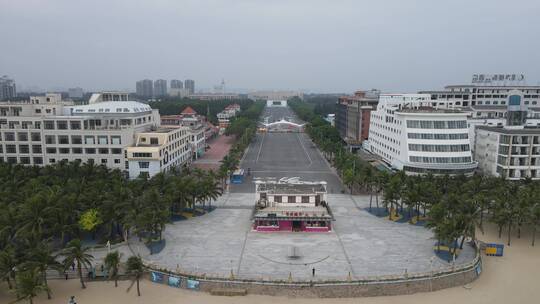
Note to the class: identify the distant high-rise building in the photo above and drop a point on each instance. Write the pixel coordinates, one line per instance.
(190, 85)
(177, 84)
(160, 87)
(75, 92)
(145, 88)
(7, 88)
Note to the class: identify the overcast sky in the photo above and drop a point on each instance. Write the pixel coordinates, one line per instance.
(320, 46)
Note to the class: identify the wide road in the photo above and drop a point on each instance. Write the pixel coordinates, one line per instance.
(277, 155)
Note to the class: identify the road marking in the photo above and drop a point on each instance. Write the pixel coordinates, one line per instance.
(344, 251)
(305, 151)
(260, 148)
(242, 253)
(245, 154)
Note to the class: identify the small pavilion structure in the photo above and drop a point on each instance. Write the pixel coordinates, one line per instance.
(291, 205)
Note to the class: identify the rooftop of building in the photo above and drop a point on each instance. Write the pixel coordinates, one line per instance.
(112, 107)
(524, 130)
(292, 188)
(188, 111)
(428, 110)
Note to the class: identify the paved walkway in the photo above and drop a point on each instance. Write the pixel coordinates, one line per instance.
(361, 244)
(219, 147)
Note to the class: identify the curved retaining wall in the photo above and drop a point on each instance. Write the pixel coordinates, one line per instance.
(376, 286)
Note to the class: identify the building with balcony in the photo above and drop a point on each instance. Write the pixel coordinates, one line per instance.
(46, 129)
(511, 151)
(159, 151)
(197, 128)
(408, 134)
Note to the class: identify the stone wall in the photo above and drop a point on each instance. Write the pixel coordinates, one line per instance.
(373, 287)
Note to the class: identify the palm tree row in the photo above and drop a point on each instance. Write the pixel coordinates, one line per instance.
(243, 128)
(453, 207)
(51, 208)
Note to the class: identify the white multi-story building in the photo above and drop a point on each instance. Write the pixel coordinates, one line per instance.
(511, 151)
(197, 127)
(486, 99)
(46, 129)
(159, 151)
(225, 116)
(410, 135)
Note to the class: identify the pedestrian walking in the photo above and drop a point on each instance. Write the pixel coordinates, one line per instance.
(313, 271)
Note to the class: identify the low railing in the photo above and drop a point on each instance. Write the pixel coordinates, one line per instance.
(347, 280)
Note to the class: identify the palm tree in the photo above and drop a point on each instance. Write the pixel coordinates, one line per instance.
(43, 259)
(29, 285)
(112, 264)
(534, 219)
(8, 262)
(75, 252)
(135, 268)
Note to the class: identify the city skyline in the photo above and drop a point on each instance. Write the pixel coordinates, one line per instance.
(315, 46)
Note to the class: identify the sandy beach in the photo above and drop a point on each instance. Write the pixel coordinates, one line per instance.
(514, 278)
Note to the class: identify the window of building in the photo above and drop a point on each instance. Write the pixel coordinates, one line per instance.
(116, 151)
(48, 125)
(62, 125)
(76, 150)
(38, 160)
(24, 149)
(277, 198)
(153, 140)
(90, 151)
(63, 150)
(35, 136)
(116, 161)
(23, 136)
(63, 139)
(144, 165)
(36, 149)
(52, 160)
(89, 140)
(9, 136)
(76, 139)
(50, 139)
(75, 125)
(103, 151)
(11, 149)
(115, 140)
(102, 140)
(50, 150)
(104, 161)
(140, 154)
(12, 160)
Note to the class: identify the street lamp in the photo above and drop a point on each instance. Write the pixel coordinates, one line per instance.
(431, 260)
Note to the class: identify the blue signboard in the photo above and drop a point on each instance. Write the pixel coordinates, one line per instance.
(192, 284)
(174, 282)
(156, 277)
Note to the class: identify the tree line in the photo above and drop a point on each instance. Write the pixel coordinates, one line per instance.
(48, 209)
(452, 206)
(243, 127)
(49, 212)
(173, 106)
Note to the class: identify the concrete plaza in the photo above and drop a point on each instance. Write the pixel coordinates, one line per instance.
(360, 244)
